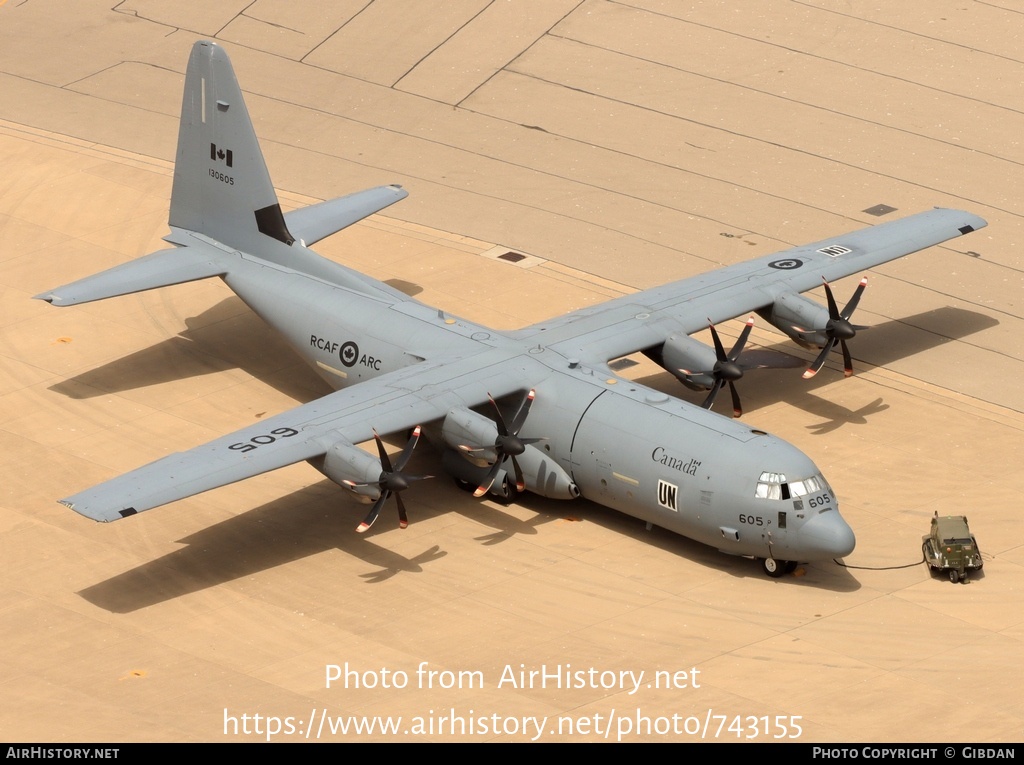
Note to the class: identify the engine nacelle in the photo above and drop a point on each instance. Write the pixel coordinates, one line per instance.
(791, 313)
(346, 462)
(683, 352)
(464, 427)
(541, 474)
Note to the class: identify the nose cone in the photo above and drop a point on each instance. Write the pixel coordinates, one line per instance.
(826, 536)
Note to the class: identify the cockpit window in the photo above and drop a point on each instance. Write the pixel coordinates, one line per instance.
(769, 486)
(775, 486)
(812, 485)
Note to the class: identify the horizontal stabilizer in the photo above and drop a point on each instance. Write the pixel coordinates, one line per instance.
(313, 223)
(158, 269)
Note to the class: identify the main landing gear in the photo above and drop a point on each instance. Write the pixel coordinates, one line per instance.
(776, 568)
(506, 492)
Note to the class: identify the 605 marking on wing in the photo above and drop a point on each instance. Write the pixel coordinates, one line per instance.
(263, 440)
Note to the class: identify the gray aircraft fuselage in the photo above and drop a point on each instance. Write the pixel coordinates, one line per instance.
(623, 445)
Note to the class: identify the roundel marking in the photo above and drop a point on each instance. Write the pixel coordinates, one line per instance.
(786, 264)
(349, 353)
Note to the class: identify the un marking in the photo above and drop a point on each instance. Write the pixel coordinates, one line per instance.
(668, 495)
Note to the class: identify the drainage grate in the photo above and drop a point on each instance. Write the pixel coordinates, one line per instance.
(512, 257)
(880, 210)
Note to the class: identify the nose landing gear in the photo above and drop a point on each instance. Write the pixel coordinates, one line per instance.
(777, 568)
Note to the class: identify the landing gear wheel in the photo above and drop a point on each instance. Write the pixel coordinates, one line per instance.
(791, 566)
(774, 568)
(954, 575)
(507, 492)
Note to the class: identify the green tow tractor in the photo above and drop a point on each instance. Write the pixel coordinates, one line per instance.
(951, 547)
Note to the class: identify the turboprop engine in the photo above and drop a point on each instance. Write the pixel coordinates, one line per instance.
(480, 450)
(698, 367)
(689, 360)
(369, 479)
(810, 324)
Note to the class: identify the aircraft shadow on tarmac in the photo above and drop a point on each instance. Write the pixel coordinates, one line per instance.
(226, 336)
(320, 518)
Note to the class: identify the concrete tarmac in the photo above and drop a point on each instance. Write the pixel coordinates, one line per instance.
(618, 146)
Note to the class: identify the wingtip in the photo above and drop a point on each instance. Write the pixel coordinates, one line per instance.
(362, 528)
(810, 373)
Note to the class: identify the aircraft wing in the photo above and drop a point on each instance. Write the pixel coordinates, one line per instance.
(645, 319)
(394, 402)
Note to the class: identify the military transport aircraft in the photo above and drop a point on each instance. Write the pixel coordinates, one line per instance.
(538, 409)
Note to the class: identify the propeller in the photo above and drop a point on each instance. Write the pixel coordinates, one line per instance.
(392, 481)
(507, 444)
(838, 329)
(730, 367)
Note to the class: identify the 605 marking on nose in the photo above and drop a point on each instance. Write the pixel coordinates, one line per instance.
(263, 440)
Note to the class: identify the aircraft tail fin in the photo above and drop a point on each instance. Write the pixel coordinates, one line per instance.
(222, 201)
(221, 185)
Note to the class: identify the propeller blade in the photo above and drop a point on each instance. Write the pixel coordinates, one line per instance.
(520, 483)
(714, 392)
(523, 411)
(403, 458)
(385, 459)
(488, 481)
(403, 518)
(855, 300)
(499, 421)
(719, 348)
(820, 361)
(833, 309)
(737, 410)
(374, 512)
(742, 340)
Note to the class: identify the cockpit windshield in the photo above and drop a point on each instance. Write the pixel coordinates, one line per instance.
(775, 486)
